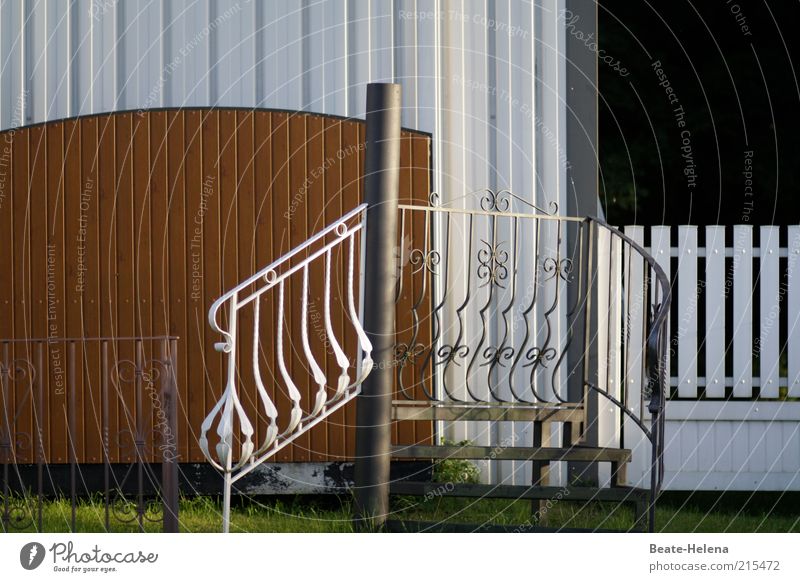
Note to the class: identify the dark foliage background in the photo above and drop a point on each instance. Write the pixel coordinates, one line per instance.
(740, 93)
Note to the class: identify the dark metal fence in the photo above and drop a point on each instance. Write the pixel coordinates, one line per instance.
(121, 414)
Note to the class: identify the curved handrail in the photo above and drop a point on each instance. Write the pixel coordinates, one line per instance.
(655, 358)
(268, 273)
(229, 409)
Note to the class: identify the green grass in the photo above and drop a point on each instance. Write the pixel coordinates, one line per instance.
(676, 513)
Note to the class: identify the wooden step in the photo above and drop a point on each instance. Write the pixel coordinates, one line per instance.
(425, 410)
(476, 490)
(498, 453)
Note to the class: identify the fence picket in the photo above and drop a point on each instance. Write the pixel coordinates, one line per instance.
(793, 308)
(742, 311)
(609, 251)
(768, 349)
(715, 311)
(687, 314)
(634, 333)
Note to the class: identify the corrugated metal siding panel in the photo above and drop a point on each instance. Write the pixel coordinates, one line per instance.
(62, 60)
(133, 224)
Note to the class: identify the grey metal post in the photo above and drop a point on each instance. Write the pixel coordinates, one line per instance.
(582, 198)
(374, 404)
(169, 465)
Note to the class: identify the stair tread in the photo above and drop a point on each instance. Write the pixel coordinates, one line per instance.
(424, 410)
(573, 453)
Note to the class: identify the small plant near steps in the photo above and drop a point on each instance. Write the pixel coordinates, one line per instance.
(456, 470)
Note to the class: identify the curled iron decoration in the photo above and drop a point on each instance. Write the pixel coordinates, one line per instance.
(495, 355)
(496, 201)
(123, 509)
(538, 356)
(448, 354)
(563, 269)
(17, 513)
(18, 370)
(405, 354)
(492, 267)
(429, 260)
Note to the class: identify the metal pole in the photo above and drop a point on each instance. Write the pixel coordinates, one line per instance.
(169, 466)
(374, 404)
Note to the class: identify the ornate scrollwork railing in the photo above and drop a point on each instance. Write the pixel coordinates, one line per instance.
(522, 307)
(282, 354)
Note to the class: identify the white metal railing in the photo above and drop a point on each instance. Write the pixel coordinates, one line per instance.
(736, 330)
(339, 237)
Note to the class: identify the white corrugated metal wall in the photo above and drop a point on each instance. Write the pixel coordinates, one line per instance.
(486, 78)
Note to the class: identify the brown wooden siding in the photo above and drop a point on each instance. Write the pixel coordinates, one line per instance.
(132, 224)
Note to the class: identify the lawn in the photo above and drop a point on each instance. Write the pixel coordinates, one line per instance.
(705, 512)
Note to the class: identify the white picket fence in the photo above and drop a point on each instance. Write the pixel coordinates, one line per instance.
(734, 409)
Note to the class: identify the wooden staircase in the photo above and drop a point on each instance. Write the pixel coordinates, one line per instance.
(539, 491)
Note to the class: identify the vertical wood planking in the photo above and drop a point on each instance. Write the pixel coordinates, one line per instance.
(315, 193)
(157, 306)
(335, 208)
(55, 284)
(143, 192)
(106, 132)
(21, 230)
(280, 245)
(124, 324)
(228, 218)
(298, 232)
(245, 249)
(716, 295)
(211, 267)
(742, 311)
(352, 173)
(41, 261)
(793, 311)
(142, 245)
(75, 238)
(84, 147)
(159, 260)
(193, 342)
(179, 234)
(75, 251)
(687, 312)
(769, 325)
(8, 240)
(264, 226)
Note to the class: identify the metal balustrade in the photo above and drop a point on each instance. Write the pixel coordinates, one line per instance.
(521, 314)
(336, 250)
